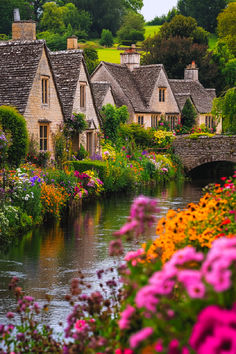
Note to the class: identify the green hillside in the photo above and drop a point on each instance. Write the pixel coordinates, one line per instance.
(151, 30)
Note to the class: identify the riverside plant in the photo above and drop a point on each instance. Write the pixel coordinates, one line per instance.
(185, 305)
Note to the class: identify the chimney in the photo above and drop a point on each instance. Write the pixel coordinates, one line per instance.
(191, 72)
(131, 58)
(22, 30)
(72, 43)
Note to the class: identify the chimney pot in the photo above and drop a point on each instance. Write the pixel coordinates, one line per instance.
(16, 15)
(72, 43)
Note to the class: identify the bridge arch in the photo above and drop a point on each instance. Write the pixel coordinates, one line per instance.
(204, 150)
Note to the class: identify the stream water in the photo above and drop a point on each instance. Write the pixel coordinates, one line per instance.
(46, 259)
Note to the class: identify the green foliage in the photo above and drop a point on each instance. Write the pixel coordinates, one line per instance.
(106, 38)
(227, 26)
(52, 18)
(229, 72)
(136, 133)
(189, 115)
(132, 29)
(99, 166)
(75, 125)
(43, 158)
(81, 153)
(204, 11)
(91, 59)
(158, 21)
(59, 142)
(112, 117)
(13, 122)
(225, 107)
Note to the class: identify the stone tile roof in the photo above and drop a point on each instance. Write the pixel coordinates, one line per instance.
(146, 77)
(66, 65)
(100, 89)
(18, 65)
(129, 87)
(201, 97)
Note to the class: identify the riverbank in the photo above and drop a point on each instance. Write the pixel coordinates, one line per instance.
(33, 195)
(173, 315)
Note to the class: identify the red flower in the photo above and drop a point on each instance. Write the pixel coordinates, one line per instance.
(226, 221)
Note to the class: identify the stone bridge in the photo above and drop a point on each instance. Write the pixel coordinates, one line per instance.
(196, 152)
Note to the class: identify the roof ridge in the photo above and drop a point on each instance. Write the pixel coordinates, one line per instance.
(22, 42)
(68, 51)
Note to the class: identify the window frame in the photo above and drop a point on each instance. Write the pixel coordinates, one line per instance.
(209, 122)
(162, 94)
(45, 90)
(154, 121)
(140, 120)
(172, 120)
(43, 138)
(82, 93)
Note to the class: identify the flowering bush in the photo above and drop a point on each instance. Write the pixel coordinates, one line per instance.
(163, 138)
(76, 124)
(200, 224)
(53, 199)
(186, 305)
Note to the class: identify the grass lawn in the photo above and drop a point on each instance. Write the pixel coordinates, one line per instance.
(111, 55)
(151, 30)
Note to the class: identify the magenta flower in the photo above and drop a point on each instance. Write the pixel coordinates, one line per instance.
(81, 325)
(140, 336)
(124, 322)
(146, 297)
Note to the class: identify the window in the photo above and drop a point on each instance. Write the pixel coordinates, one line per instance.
(162, 92)
(173, 121)
(43, 137)
(140, 120)
(209, 122)
(45, 90)
(154, 121)
(82, 95)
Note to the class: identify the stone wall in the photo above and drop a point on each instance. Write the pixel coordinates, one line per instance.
(196, 152)
(36, 111)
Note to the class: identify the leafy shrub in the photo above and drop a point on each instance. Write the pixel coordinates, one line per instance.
(13, 122)
(76, 124)
(43, 158)
(142, 137)
(99, 166)
(106, 38)
(189, 114)
(59, 141)
(81, 153)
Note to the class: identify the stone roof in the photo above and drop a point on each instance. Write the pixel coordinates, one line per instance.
(129, 87)
(201, 97)
(66, 65)
(18, 65)
(146, 77)
(100, 89)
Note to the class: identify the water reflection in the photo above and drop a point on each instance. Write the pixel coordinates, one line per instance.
(47, 259)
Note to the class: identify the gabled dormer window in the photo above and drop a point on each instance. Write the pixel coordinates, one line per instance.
(162, 94)
(45, 90)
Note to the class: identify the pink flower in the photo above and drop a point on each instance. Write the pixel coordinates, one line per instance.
(192, 282)
(140, 336)
(159, 347)
(146, 297)
(81, 325)
(124, 321)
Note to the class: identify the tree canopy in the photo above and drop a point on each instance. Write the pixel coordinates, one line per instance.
(132, 29)
(204, 11)
(227, 26)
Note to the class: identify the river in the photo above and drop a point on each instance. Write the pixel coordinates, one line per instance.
(47, 258)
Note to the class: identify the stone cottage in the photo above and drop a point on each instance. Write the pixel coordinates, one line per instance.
(75, 92)
(149, 94)
(201, 98)
(27, 82)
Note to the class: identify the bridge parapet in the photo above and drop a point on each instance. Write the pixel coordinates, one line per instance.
(196, 152)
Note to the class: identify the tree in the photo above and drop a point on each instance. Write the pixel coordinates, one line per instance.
(225, 107)
(132, 29)
(158, 21)
(181, 26)
(53, 17)
(189, 114)
(91, 59)
(227, 26)
(204, 11)
(106, 38)
(78, 19)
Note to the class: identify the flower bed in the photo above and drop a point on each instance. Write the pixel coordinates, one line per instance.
(185, 304)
